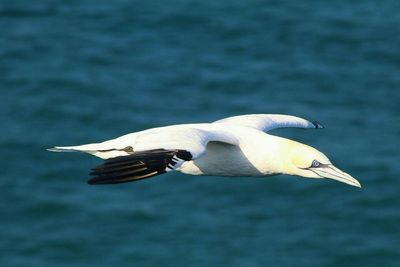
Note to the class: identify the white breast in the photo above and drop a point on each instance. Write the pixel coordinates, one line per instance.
(250, 158)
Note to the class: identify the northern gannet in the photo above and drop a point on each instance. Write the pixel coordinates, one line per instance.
(234, 146)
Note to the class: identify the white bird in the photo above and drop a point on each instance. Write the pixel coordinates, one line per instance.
(234, 146)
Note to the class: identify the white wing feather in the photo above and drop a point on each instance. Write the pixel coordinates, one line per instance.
(183, 137)
(267, 122)
(180, 137)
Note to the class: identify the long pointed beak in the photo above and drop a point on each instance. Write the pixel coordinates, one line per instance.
(331, 172)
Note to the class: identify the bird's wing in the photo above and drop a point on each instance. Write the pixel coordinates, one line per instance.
(150, 152)
(137, 166)
(267, 122)
(183, 137)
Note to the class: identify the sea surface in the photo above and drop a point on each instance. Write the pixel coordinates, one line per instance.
(75, 72)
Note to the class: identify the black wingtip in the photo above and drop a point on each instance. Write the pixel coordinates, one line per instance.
(318, 125)
(91, 182)
(137, 166)
(97, 181)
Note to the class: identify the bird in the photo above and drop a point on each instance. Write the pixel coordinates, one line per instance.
(234, 146)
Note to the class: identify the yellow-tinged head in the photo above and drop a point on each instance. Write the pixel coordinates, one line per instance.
(306, 161)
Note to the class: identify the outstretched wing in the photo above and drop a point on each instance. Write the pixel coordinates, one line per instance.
(187, 137)
(148, 153)
(138, 166)
(267, 122)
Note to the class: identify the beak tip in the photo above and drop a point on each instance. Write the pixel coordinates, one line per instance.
(354, 183)
(334, 173)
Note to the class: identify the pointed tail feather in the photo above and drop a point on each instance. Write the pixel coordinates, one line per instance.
(64, 149)
(88, 148)
(98, 150)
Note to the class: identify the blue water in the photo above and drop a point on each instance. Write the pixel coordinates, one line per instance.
(74, 72)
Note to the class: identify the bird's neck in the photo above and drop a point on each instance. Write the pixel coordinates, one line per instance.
(277, 155)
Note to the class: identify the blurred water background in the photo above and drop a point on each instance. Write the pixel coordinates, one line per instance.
(74, 72)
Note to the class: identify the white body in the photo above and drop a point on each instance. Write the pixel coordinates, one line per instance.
(235, 146)
(256, 154)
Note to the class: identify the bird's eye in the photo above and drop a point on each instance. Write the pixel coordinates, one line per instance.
(315, 164)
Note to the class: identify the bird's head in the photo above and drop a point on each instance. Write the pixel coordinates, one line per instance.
(308, 162)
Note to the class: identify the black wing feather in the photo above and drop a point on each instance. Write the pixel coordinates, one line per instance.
(136, 166)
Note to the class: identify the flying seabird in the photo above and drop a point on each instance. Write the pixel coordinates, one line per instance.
(234, 146)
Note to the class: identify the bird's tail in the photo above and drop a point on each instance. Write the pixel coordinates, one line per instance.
(81, 148)
(65, 149)
(102, 150)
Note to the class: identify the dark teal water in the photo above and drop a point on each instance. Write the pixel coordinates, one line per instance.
(74, 72)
